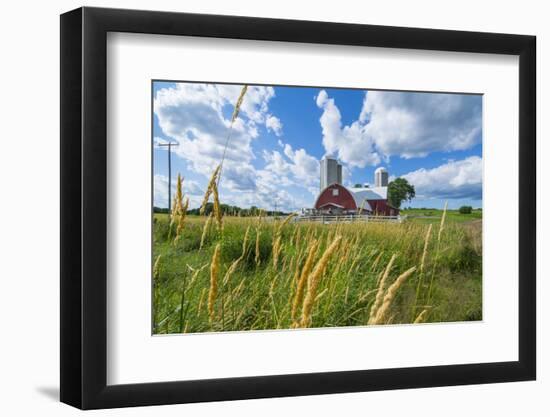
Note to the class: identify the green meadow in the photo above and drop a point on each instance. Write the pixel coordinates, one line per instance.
(261, 273)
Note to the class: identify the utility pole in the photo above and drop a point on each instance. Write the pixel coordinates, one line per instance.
(169, 146)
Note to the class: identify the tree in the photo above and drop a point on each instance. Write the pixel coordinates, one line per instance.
(358, 185)
(400, 190)
(465, 210)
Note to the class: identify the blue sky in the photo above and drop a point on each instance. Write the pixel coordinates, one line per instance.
(434, 140)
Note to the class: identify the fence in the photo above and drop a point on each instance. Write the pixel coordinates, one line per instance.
(350, 219)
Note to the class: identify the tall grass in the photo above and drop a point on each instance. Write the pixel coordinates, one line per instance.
(244, 289)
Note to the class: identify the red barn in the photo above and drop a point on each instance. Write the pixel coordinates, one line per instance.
(337, 199)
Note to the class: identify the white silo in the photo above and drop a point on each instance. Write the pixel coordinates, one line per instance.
(381, 177)
(331, 172)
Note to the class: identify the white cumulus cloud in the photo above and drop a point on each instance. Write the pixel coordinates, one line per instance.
(416, 124)
(191, 189)
(401, 124)
(198, 116)
(274, 124)
(351, 144)
(292, 167)
(453, 180)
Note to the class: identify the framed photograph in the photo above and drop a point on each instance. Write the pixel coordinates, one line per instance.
(256, 208)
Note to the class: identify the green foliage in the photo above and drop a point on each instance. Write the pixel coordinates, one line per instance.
(237, 211)
(400, 190)
(160, 210)
(465, 210)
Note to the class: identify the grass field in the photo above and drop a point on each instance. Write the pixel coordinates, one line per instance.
(427, 216)
(261, 273)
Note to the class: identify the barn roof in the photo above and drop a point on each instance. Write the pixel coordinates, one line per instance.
(331, 204)
(373, 193)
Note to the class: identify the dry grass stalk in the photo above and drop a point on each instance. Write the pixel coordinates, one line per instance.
(276, 250)
(245, 241)
(285, 222)
(214, 271)
(272, 286)
(381, 289)
(237, 108)
(156, 268)
(257, 248)
(421, 317)
(422, 263)
(293, 237)
(205, 229)
(298, 235)
(236, 262)
(303, 279)
(425, 251)
(196, 274)
(181, 221)
(364, 297)
(320, 295)
(375, 263)
(378, 278)
(178, 201)
(296, 276)
(390, 295)
(277, 246)
(201, 301)
(217, 208)
(441, 227)
(231, 270)
(239, 287)
(314, 280)
(209, 188)
(442, 224)
(285, 261)
(353, 263)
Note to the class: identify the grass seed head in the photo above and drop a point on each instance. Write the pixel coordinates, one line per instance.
(382, 288)
(209, 189)
(298, 296)
(214, 271)
(390, 295)
(238, 104)
(422, 316)
(205, 229)
(314, 279)
(156, 268)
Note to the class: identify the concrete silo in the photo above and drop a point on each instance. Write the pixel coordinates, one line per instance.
(381, 177)
(331, 172)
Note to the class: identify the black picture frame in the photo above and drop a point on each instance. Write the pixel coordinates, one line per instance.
(84, 207)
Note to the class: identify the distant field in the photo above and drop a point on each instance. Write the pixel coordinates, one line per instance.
(427, 216)
(254, 274)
